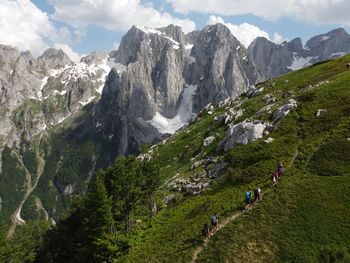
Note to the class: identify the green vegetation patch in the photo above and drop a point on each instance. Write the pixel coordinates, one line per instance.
(12, 184)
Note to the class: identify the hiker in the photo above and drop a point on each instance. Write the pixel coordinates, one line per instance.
(257, 195)
(214, 221)
(248, 196)
(348, 65)
(273, 177)
(279, 170)
(205, 230)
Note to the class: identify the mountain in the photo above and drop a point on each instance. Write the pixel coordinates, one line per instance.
(274, 60)
(37, 95)
(152, 208)
(62, 121)
(165, 81)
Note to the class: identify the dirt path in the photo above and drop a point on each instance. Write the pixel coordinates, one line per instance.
(222, 225)
(16, 216)
(233, 217)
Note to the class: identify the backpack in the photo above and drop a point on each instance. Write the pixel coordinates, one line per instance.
(213, 219)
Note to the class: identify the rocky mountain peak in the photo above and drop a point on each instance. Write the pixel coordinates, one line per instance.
(296, 44)
(221, 66)
(174, 32)
(96, 57)
(55, 58)
(337, 31)
(330, 45)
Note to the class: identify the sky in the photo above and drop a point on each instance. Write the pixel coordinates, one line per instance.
(79, 27)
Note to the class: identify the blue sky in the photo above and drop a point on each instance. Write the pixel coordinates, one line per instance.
(82, 26)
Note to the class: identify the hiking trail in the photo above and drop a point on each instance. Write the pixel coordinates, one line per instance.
(233, 217)
(222, 225)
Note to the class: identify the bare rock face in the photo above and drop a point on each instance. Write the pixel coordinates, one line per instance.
(222, 67)
(275, 60)
(166, 79)
(331, 45)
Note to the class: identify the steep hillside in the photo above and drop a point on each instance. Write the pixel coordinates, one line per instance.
(153, 211)
(61, 121)
(304, 219)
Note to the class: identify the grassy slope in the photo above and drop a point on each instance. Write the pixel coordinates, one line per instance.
(303, 220)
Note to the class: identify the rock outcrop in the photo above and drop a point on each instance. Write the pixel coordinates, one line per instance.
(242, 133)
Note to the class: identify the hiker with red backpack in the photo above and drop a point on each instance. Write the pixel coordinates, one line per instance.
(279, 170)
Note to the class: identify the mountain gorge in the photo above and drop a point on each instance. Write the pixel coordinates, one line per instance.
(61, 121)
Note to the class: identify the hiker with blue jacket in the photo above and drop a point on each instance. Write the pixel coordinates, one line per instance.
(248, 197)
(214, 221)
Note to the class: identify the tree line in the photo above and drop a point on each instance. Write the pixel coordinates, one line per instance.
(98, 227)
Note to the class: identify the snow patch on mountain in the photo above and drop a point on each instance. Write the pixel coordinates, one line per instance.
(338, 54)
(83, 103)
(106, 66)
(42, 85)
(183, 116)
(147, 30)
(300, 62)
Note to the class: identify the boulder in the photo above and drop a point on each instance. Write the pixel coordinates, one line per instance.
(144, 157)
(168, 198)
(268, 99)
(283, 110)
(215, 172)
(256, 92)
(242, 133)
(268, 140)
(264, 109)
(321, 112)
(196, 164)
(316, 86)
(209, 140)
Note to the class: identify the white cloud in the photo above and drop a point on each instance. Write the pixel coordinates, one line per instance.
(24, 26)
(245, 32)
(278, 39)
(114, 15)
(317, 11)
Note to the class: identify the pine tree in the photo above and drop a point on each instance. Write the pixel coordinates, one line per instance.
(150, 175)
(4, 245)
(98, 225)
